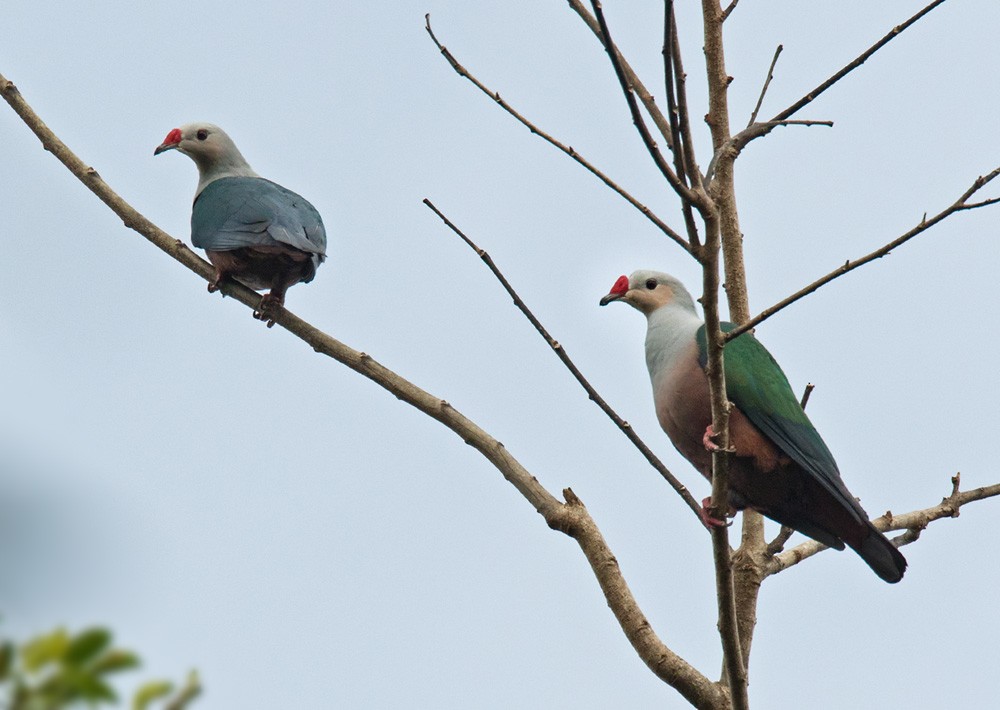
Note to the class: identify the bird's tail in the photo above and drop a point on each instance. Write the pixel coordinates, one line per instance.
(881, 555)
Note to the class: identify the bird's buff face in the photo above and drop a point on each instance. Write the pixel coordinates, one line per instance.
(643, 291)
(204, 142)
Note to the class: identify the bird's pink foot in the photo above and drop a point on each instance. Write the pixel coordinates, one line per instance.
(706, 517)
(269, 302)
(707, 439)
(213, 285)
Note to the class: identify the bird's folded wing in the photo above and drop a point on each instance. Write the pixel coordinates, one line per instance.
(245, 212)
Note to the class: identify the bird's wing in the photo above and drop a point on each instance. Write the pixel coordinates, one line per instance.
(756, 384)
(239, 212)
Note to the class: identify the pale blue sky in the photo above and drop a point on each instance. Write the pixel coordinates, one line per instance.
(226, 499)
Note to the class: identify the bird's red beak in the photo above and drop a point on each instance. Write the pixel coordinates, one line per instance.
(617, 291)
(172, 140)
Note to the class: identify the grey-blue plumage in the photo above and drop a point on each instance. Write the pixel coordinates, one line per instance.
(235, 212)
(252, 230)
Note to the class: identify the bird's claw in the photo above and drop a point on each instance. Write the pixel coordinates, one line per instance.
(215, 284)
(265, 311)
(710, 445)
(706, 517)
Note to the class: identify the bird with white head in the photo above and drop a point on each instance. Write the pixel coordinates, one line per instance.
(780, 466)
(253, 230)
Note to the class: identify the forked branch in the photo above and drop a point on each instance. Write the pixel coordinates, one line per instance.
(683, 191)
(960, 205)
(568, 150)
(913, 523)
(647, 99)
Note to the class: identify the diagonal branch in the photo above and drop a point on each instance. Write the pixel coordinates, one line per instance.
(683, 191)
(767, 83)
(684, 163)
(858, 61)
(960, 205)
(568, 150)
(648, 102)
(574, 520)
(913, 523)
(683, 116)
(570, 517)
(560, 351)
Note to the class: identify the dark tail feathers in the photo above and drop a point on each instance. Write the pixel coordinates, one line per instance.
(881, 555)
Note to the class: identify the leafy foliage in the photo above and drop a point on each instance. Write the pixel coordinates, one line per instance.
(59, 670)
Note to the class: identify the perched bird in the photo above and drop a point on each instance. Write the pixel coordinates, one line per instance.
(780, 466)
(253, 230)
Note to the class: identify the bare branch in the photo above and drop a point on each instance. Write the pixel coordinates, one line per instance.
(961, 204)
(568, 150)
(737, 143)
(682, 150)
(560, 351)
(648, 102)
(737, 593)
(805, 395)
(767, 83)
(570, 517)
(683, 116)
(729, 10)
(913, 523)
(360, 362)
(861, 59)
(778, 543)
(574, 520)
(682, 190)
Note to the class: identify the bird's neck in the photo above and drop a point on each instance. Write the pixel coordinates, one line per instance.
(232, 164)
(671, 329)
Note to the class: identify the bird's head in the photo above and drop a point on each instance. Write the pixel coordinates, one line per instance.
(648, 291)
(207, 145)
(193, 139)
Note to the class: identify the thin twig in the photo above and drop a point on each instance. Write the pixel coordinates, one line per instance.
(729, 10)
(560, 351)
(570, 518)
(767, 83)
(735, 145)
(960, 205)
(680, 148)
(683, 116)
(778, 543)
(187, 694)
(913, 523)
(568, 150)
(858, 61)
(805, 395)
(647, 99)
(682, 190)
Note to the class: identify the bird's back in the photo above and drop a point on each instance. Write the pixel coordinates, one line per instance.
(236, 212)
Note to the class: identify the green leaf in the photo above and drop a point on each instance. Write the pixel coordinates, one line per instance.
(93, 689)
(115, 660)
(87, 645)
(44, 649)
(148, 692)
(6, 659)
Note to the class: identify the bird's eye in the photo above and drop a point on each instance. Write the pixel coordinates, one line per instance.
(202, 134)
(650, 284)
